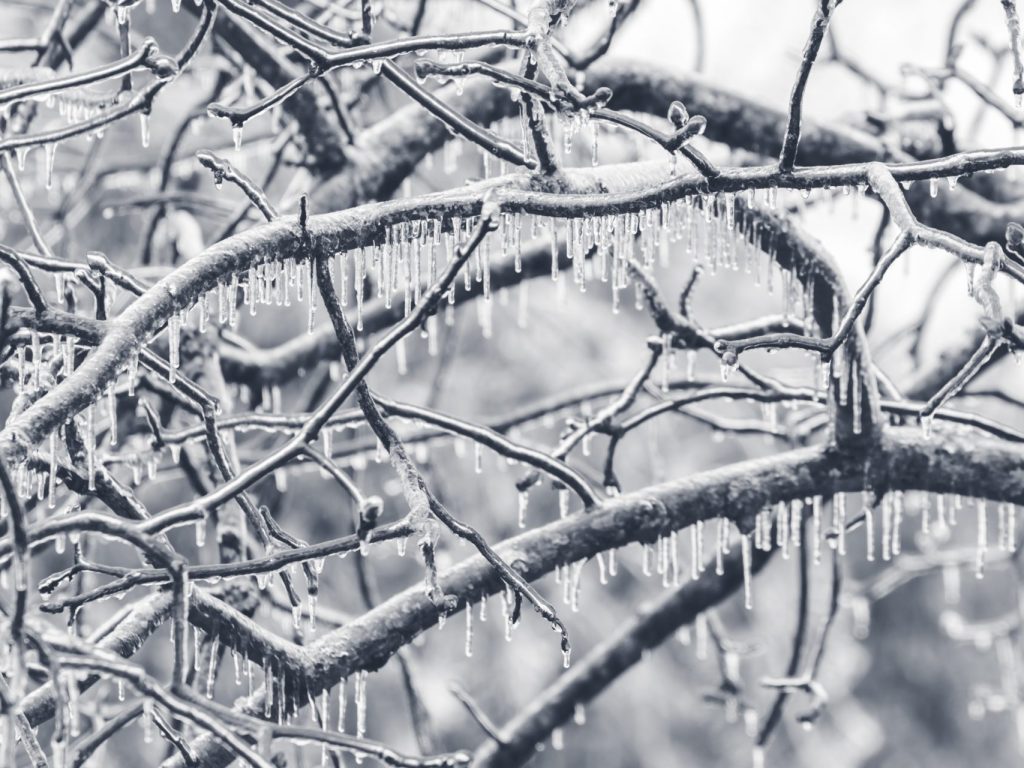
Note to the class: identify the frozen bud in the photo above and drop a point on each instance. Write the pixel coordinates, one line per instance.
(728, 353)
(491, 209)
(693, 127)
(163, 67)
(677, 114)
(1014, 235)
(369, 511)
(149, 49)
(597, 99)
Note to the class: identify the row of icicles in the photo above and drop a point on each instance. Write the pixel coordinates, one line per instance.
(781, 525)
(410, 256)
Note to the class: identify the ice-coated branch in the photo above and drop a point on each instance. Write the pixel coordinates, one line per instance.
(223, 170)
(1014, 30)
(999, 327)
(819, 25)
(514, 744)
(474, 133)
(108, 382)
(900, 460)
(146, 56)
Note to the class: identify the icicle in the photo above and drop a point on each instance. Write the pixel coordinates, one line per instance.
(173, 345)
(579, 715)
(112, 412)
(869, 528)
(90, 446)
(782, 528)
(200, 533)
(727, 369)
(37, 360)
(796, 517)
(469, 631)
(673, 554)
(342, 704)
(524, 500)
(745, 546)
(236, 137)
(268, 686)
(887, 527)
(359, 695)
(855, 399)
(897, 521)
(695, 552)
(133, 366)
(50, 152)
(574, 586)
(557, 739)
(645, 559)
(721, 542)
(311, 317)
(506, 604)
(144, 128)
(979, 568)
(147, 720)
(51, 492)
(204, 312)
(563, 502)
(211, 672)
(21, 366)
